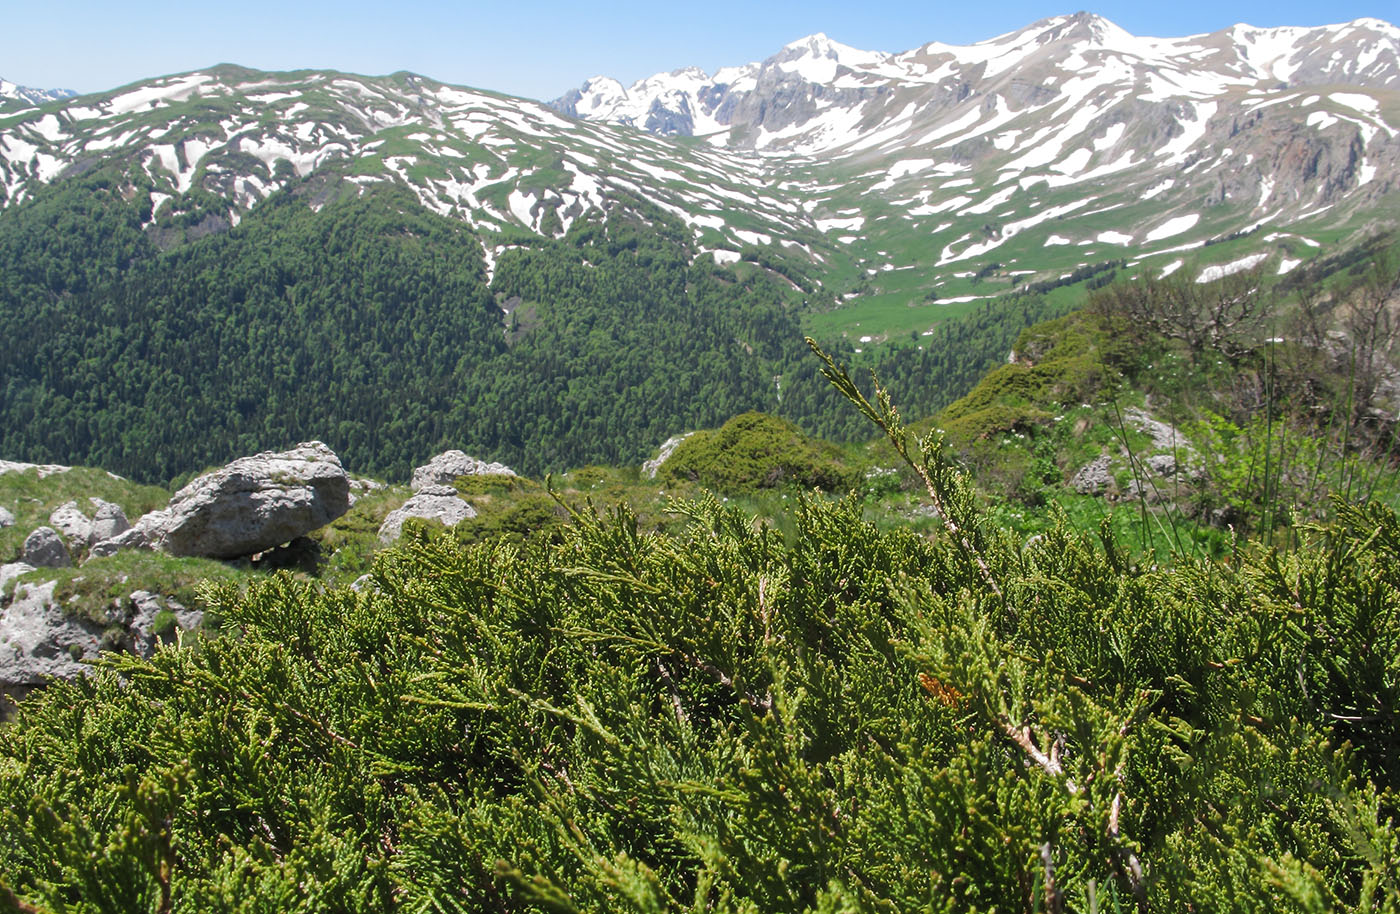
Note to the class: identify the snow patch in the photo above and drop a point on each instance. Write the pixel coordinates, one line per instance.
(150, 96)
(49, 128)
(854, 223)
(1363, 103)
(1156, 189)
(1174, 226)
(752, 237)
(1220, 271)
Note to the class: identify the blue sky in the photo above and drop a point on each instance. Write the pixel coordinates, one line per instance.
(541, 49)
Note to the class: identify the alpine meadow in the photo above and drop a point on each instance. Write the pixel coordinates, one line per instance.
(955, 480)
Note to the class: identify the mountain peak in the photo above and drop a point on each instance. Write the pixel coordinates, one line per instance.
(28, 96)
(1080, 26)
(816, 57)
(817, 42)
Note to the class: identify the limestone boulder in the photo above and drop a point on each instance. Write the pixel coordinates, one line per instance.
(6, 518)
(11, 571)
(44, 548)
(1164, 435)
(44, 469)
(146, 609)
(130, 538)
(70, 521)
(449, 465)
(360, 486)
(38, 641)
(1162, 464)
(108, 520)
(439, 503)
(252, 505)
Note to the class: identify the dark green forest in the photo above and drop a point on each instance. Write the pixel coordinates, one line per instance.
(368, 323)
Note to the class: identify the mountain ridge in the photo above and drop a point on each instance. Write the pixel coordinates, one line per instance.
(17, 98)
(1257, 51)
(907, 185)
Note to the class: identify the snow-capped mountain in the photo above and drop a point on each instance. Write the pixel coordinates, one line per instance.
(15, 98)
(938, 175)
(819, 96)
(494, 162)
(1068, 137)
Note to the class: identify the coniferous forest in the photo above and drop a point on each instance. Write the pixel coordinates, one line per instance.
(369, 324)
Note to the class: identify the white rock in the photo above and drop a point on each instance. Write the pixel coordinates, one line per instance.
(6, 518)
(1095, 477)
(131, 538)
(1162, 464)
(45, 469)
(145, 607)
(13, 570)
(439, 503)
(108, 520)
(75, 526)
(37, 641)
(252, 505)
(361, 486)
(1163, 435)
(449, 465)
(44, 548)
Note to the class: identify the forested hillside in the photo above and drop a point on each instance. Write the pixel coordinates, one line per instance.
(367, 322)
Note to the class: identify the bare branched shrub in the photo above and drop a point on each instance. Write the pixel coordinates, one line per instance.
(1226, 316)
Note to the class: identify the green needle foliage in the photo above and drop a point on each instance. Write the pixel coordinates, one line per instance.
(731, 719)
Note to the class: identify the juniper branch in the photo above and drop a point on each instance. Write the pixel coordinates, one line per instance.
(935, 478)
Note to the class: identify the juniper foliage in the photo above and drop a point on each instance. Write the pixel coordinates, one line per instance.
(842, 719)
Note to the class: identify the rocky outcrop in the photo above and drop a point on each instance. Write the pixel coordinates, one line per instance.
(148, 628)
(1095, 477)
(668, 447)
(12, 571)
(252, 505)
(6, 518)
(108, 520)
(437, 502)
(1162, 464)
(449, 465)
(1162, 434)
(75, 526)
(45, 469)
(44, 548)
(81, 532)
(1170, 456)
(361, 486)
(131, 538)
(37, 641)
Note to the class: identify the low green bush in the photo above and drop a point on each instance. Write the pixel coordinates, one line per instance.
(756, 451)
